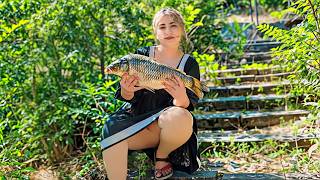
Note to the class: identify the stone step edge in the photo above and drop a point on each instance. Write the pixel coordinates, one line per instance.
(257, 53)
(259, 43)
(247, 114)
(233, 136)
(221, 78)
(200, 174)
(236, 65)
(246, 98)
(250, 86)
(248, 69)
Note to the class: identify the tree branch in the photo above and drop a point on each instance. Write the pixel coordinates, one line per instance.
(315, 15)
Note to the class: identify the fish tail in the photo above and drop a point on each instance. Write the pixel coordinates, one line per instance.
(199, 87)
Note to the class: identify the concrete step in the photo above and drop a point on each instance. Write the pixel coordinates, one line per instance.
(262, 176)
(233, 64)
(276, 133)
(257, 56)
(204, 175)
(250, 41)
(252, 78)
(253, 102)
(250, 71)
(241, 59)
(260, 46)
(215, 175)
(178, 175)
(249, 89)
(245, 119)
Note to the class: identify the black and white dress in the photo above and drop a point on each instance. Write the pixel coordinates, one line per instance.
(145, 108)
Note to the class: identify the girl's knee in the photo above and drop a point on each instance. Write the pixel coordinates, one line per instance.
(176, 116)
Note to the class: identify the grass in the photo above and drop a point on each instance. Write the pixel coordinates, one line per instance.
(264, 157)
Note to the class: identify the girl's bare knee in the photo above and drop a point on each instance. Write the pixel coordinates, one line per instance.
(176, 117)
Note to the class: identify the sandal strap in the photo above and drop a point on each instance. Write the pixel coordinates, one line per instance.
(162, 159)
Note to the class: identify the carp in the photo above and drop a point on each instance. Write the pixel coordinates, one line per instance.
(151, 73)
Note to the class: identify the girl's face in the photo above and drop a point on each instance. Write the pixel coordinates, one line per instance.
(168, 32)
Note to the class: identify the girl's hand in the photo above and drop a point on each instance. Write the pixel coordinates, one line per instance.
(128, 86)
(177, 90)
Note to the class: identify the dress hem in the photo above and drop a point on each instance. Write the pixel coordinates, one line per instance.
(128, 132)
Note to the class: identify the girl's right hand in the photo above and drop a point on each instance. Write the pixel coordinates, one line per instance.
(128, 83)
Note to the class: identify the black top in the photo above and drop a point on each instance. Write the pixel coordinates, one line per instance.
(145, 101)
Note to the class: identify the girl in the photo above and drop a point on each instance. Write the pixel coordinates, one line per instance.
(170, 123)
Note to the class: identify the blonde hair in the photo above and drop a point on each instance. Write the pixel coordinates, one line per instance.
(177, 17)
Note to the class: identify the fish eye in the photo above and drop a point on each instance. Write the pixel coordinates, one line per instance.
(122, 62)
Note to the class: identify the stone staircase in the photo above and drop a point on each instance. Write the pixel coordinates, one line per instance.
(250, 104)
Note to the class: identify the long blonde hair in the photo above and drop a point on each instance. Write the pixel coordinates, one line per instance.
(177, 17)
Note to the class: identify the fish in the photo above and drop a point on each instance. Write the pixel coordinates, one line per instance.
(151, 73)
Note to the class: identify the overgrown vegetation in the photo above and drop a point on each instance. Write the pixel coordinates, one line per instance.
(300, 48)
(55, 97)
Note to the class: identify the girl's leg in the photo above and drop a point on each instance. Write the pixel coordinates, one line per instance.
(176, 128)
(116, 157)
(115, 161)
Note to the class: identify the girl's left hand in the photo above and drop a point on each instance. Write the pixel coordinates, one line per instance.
(177, 90)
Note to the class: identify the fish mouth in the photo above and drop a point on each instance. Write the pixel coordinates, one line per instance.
(108, 70)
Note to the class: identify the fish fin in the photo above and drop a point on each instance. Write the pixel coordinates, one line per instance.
(198, 87)
(182, 72)
(204, 86)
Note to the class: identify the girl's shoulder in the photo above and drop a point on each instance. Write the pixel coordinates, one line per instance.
(191, 61)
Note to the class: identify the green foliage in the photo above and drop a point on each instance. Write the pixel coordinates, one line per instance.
(300, 48)
(207, 64)
(205, 33)
(256, 66)
(300, 51)
(236, 39)
(270, 5)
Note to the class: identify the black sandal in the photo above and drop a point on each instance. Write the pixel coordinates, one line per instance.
(165, 172)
